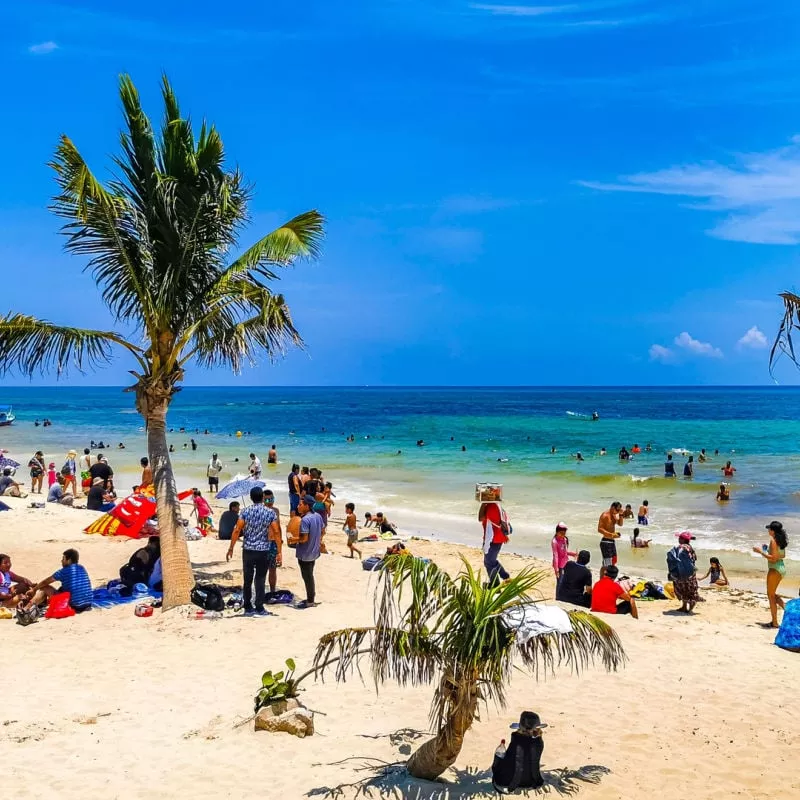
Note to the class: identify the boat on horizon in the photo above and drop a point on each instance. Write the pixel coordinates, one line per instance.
(6, 415)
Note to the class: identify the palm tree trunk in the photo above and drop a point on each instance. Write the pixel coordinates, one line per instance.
(175, 563)
(441, 752)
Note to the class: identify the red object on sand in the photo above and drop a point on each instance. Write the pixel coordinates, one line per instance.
(126, 518)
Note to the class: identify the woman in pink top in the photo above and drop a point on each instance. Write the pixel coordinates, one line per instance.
(561, 554)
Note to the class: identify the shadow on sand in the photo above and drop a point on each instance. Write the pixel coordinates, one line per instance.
(392, 782)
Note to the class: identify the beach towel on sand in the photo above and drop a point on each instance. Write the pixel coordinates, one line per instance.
(534, 619)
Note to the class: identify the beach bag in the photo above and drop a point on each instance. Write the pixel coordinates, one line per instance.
(371, 563)
(27, 617)
(65, 470)
(789, 634)
(59, 607)
(208, 596)
(679, 563)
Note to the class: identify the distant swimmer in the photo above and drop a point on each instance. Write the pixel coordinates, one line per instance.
(688, 468)
(637, 542)
(643, 515)
(595, 416)
(636, 449)
(552, 449)
(702, 457)
(628, 512)
(463, 448)
(723, 494)
(194, 444)
(272, 455)
(624, 455)
(669, 467)
(649, 448)
(602, 451)
(579, 457)
(728, 470)
(502, 460)
(420, 443)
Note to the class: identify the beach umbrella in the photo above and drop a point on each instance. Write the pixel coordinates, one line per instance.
(239, 487)
(126, 518)
(5, 461)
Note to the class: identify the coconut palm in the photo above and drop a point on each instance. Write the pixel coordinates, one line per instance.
(162, 239)
(790, 323)
(431, 628)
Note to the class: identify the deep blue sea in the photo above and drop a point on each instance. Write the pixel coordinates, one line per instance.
(507, 432)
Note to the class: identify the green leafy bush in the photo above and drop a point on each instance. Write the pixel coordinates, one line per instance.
(278, 686)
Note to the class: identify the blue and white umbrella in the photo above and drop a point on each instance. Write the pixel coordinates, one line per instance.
(239, 488)
(7, 462)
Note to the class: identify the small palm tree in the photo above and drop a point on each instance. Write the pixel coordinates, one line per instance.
(159, 238)
(451, 632)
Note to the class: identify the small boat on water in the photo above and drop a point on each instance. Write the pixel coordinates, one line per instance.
(6, 415)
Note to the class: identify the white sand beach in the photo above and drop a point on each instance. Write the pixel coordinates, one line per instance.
(109, 704)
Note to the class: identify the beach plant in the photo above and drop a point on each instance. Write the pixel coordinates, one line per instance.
(277, 686)
(450, 632)
(162, 242)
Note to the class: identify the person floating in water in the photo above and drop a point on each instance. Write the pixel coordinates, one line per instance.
(595, 416)
(578, 457)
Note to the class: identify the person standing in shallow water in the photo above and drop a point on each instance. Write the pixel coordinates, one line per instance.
(774, 553)
(495, 524)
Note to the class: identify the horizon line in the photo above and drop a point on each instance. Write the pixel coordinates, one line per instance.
(430, 386)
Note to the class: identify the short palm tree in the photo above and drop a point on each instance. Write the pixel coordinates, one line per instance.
(161, 240)
(432, 628)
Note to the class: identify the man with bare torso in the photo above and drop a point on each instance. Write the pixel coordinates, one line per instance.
(606, 527)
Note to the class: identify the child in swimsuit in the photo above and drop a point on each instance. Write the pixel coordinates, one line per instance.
(716, 573)
(350, 527)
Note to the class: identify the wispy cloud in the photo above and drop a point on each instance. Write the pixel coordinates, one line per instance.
(696, 347)
(522, 11)
(447, 242)
(43, 48)
(761, 190)
(660, 353)
(754, 339)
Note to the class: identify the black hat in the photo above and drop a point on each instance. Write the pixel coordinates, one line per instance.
(529, 721)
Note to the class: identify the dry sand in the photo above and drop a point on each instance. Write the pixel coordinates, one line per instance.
(110, 705)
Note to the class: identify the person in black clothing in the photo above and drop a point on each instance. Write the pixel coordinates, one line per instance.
(228, 520)
(96, 499)
(519, 768)
(100, 469)
(294, 489)
(575, 580)
(140, 565)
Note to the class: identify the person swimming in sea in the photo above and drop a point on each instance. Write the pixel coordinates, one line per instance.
(595, 416)
(716, 573)
(603, 451)
(723, 494)
(578, 457)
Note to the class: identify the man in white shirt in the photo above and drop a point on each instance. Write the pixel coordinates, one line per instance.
(255, 466)
(215, 466)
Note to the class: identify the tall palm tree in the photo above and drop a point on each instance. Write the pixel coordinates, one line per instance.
(159, 238)
(790, 323)
(431, 628)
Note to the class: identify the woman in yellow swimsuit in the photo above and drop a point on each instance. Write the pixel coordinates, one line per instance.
(774, 553)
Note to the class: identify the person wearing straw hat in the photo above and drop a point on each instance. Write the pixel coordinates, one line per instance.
(70, 472)
(518, 767)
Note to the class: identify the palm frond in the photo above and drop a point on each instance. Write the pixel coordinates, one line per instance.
(30, 345)
(591, 640)
(784, 343)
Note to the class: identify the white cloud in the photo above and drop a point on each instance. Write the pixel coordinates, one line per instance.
(43, 48)
(754, 339)
(521, 11)
(659, 353)
(760, 190)
(698, 348)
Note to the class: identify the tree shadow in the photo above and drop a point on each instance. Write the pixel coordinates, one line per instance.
(391, 781)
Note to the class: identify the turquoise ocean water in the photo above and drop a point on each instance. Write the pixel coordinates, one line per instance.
(429, 490)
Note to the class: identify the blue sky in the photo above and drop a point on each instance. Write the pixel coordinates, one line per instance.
(592, 192)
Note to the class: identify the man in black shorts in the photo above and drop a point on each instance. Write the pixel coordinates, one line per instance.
(606, 527)
(215, 466)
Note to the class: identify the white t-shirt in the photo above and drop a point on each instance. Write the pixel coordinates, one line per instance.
(255, 465)
(214, 468)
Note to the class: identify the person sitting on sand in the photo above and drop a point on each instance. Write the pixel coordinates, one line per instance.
(147, 473)
(8, 486)
(716, 573)
(228, 520)
(13, 587)
(350, 527)
(575, 585)
(637, 542)
(723, 494)
(519, 766)
(607, 591)
(74, 579)
(57, 494)
(97, 498)
(141, 564)
(369, 521)
(644, 511)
